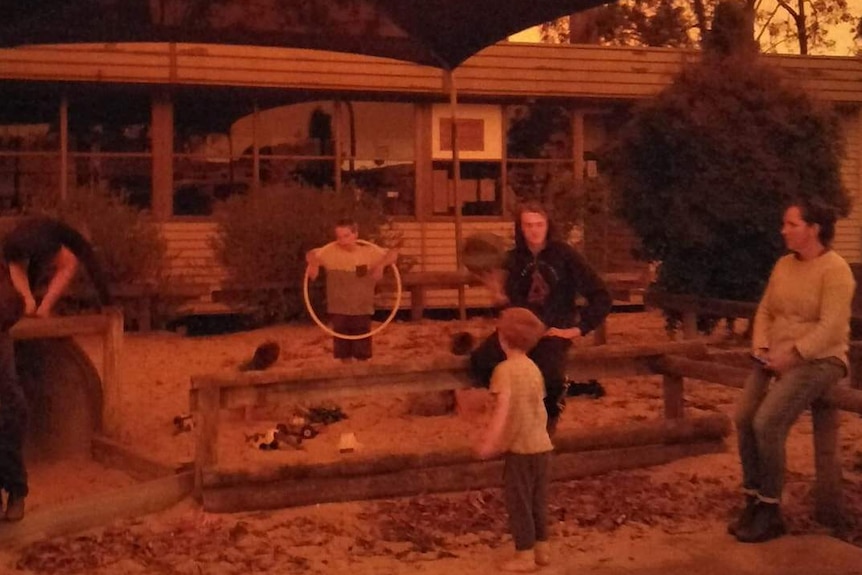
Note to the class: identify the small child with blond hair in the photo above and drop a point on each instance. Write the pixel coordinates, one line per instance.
(518, 430)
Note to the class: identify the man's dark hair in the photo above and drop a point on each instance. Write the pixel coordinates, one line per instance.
(532, 206)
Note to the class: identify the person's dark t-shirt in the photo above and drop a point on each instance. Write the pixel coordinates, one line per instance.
(35, 242)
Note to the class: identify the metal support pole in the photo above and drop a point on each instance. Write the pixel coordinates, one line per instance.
(456, 182)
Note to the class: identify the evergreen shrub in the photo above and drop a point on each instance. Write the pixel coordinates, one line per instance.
(263, 237)
(703, 172)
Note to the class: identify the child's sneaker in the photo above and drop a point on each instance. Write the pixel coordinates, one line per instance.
(543, 553)
(522, 562)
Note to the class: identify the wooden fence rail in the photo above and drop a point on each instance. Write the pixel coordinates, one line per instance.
(211, 393)
(675, 361)
(828, 493)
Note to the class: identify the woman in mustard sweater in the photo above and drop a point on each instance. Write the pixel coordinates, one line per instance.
(800, 342)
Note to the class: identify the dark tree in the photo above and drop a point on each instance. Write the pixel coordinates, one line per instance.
(685, 23)
(703, 171)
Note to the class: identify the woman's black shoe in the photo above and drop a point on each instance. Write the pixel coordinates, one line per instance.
(745, 516)
(765, 525)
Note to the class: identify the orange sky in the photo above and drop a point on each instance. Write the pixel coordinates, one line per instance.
(842, 35)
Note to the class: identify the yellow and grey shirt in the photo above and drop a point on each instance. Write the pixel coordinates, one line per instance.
(525, 431)
(807, 305)
(349, 283)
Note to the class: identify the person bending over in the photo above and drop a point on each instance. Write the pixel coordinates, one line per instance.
(39, 244)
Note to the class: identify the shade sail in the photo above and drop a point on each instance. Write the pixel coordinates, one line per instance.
(441, 33)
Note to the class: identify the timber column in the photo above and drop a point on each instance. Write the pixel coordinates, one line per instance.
(162, 141)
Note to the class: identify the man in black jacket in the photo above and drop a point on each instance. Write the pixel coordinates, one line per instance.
(544, 275)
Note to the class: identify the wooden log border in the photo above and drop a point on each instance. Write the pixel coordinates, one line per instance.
(828, 492)
(212, 393)
(226, 490)
(97, 510)
(577, 454)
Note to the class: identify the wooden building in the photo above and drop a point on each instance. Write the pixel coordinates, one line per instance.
(168, 91)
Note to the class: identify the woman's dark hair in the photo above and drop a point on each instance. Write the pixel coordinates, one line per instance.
(533, 207)
(814, 211)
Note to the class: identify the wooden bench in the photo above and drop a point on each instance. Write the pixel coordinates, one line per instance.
(138, 302)
(414, 283)
(417, 285)
(620, 285)
(145, 304)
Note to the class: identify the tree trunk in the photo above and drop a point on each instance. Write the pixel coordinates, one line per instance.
(751, 14)
(700, 14)
(582, 27)
(801, 28)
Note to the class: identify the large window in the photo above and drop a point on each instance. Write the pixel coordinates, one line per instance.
(29, 163)
(539, 151)
(480, 152)
(378, 149)
(109, 144)
(209, 164)
(296, 146)
(108, 147)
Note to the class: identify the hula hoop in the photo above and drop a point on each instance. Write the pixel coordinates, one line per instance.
(374, 331)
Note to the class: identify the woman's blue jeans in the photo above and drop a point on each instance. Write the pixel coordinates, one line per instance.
(767, 409)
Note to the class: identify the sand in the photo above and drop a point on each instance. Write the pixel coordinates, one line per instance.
(596, 521)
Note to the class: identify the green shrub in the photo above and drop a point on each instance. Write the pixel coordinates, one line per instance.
(702, 174)
(263, 237)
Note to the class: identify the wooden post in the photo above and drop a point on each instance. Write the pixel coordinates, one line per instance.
(206, 447)
(112, 344)
(423, 203)
(255, 149)
(672, 389)
(417, 302)
(505, 200)
(600, 335)
(456, 182)
(162, 131)
(64, 149)
(689, 325)
(828, 495)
